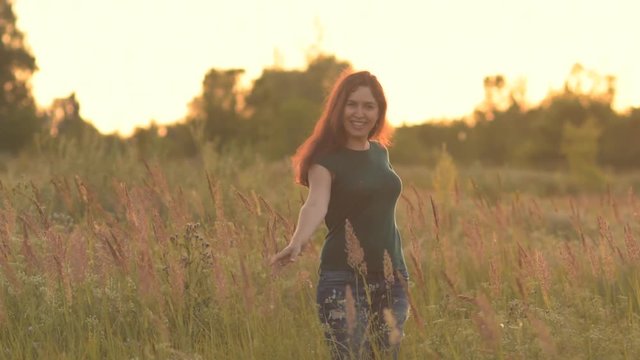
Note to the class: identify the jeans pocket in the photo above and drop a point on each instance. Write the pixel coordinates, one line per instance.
(335, 278)
(332, 285)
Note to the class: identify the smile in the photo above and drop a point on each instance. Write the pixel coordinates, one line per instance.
(358, 123)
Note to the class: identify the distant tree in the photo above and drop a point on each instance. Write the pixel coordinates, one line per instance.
(590, 85)
(496, 97)
(18, 118)
(66, 121)
(506, 130)
(322, 72)
(284, 104)
(495, 142)
(148, 141)
(580, 147)
(500, 95)
(445, 177)
(409, 147)
(181, 141)
(499, 122)
(619, 145)
(586, 95)
(216, 112)
(422, 144)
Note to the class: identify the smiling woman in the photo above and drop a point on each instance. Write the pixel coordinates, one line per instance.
(356, 111)
(360, 117)
(361, 295)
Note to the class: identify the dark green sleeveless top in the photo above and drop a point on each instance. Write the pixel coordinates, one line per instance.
(364, 190)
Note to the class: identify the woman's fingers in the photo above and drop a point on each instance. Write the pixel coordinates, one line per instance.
(277, 257)
(285, 256)
(281, 257)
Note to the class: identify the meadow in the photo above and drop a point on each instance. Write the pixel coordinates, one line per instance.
(108, 256)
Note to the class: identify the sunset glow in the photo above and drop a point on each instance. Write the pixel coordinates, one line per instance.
(133, 61)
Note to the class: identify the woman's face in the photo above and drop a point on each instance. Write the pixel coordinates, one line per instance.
(360, 113)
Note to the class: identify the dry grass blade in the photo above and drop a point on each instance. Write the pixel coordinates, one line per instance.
(27, 249)
(388, 269)
(62, 188)
(545, 339)
(244, 200)
(412, 305)
(436, 218)
(633, 250)
(355, 253)
(286, 223)
(350, 309)
(395, 335)
(487, 323)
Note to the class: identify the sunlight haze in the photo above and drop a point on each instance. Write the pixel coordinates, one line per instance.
(136, 60)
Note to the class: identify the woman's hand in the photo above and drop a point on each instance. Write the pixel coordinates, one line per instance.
(286, 255)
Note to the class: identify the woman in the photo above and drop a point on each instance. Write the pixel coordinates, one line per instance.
(352, 186)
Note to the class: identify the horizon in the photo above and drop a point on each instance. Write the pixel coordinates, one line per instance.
(431, 60)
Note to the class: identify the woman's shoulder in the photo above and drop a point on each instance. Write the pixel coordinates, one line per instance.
(376, 144)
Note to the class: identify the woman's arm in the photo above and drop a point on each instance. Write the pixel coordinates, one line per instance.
(311, 214)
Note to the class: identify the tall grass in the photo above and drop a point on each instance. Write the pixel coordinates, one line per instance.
(122, 258)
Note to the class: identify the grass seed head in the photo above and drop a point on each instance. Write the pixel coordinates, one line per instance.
(355, 253)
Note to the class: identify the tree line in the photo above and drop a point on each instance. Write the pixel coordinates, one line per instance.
(574, 127)
(571, 126)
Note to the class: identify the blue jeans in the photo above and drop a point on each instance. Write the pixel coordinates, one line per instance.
(354, 328)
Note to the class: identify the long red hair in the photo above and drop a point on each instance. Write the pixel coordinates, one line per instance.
(329, 133)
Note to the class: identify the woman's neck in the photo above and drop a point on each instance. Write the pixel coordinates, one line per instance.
(358, 144)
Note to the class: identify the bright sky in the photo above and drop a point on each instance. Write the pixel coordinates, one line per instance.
(130, 61)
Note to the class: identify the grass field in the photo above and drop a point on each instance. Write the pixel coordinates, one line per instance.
(112, 257)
